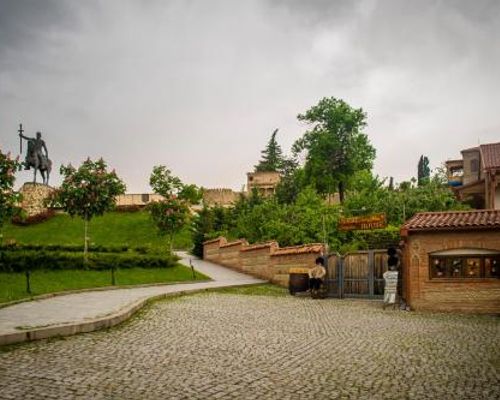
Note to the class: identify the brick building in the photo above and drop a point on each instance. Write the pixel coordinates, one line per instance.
(451, 261)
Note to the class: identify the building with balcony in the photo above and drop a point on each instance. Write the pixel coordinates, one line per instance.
(476, 177)
(264, 182)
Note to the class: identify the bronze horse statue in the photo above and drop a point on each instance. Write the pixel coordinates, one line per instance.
(35, 156)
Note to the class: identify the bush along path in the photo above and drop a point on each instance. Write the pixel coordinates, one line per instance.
(30, 269)
(88, 311)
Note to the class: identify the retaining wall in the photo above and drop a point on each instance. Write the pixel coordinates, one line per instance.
(263, 260)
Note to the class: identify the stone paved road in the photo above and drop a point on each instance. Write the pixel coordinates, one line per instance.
(226, 346)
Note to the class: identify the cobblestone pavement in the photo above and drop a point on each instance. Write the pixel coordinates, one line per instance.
(226, 346)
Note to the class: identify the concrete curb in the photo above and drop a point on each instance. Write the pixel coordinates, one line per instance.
(97, 289)
(107, 321)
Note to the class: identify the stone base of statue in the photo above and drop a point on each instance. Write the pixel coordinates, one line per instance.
(34, 198)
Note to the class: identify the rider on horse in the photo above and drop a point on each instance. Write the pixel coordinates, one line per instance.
(35, 156)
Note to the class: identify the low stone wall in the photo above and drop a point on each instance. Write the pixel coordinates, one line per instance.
(263, 260)
(220, 197)
(34, 197)
(137, 199)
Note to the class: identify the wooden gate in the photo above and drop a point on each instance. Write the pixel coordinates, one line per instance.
(358, 274)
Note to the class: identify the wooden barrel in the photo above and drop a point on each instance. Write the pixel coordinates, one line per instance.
(299, 282)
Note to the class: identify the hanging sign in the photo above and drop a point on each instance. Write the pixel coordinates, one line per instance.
(374, 221)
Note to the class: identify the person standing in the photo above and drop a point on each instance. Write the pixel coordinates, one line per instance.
(316, 276)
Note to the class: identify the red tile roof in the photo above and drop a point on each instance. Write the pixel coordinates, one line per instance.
(260, 246)
(308, 248)
(490, 155)
(453, 220)
(218, 239)
(236, 242)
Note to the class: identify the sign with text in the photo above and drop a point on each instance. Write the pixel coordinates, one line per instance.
(375, 221)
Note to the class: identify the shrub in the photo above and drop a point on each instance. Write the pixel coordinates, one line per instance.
(377, 238)
(22, 260)
(64, 247)
(33, 219)
(142, 249)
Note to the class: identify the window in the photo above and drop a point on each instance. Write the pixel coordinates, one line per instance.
(464, 266)
(474, 165)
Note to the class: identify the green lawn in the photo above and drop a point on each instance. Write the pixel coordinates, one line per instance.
(13, 285)
(112, 229)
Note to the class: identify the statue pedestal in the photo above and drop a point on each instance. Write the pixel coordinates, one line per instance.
(34, 198)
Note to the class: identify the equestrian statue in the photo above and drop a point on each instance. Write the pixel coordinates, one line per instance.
(37, 155)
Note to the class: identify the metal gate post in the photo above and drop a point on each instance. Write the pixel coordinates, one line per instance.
(371, 272)
(340, 269)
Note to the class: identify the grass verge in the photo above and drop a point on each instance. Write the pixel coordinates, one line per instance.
(13, 285)
(266, 289)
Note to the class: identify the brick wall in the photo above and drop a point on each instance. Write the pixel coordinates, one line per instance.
(282, 262)
(468, 295)
(263, 260)
(229, 254)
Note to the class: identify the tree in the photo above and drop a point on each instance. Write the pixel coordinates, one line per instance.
(88, 191)
(424, 172)
(202, 226)
(291, 183)
(336, 148)
(272, 156)
(171, 213)
(372, 196)
(8, 198)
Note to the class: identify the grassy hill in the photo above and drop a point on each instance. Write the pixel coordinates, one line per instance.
(134, 229)
(112, 229)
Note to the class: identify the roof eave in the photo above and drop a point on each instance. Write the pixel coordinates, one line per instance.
(409, 231)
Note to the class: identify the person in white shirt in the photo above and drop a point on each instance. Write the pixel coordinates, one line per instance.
(316, 275)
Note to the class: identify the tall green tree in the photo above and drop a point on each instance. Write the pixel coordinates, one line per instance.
(335, 145)
(171, 213)
(272, 156)
(424, 172)
(88, 191)
(8, 198)
(291, 183)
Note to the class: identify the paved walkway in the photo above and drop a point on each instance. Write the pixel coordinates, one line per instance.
(227, 346)
(98, 309)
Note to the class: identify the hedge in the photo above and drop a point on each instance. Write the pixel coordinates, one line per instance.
(377, 238)
(72, 248)
(129, 208)
(22, 260)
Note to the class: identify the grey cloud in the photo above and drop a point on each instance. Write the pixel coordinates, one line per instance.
(23, 23)
(200, 85)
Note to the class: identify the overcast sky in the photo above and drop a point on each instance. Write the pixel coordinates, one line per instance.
(200, 85)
